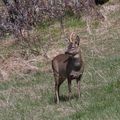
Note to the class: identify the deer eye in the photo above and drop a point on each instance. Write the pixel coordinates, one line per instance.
(76, 42)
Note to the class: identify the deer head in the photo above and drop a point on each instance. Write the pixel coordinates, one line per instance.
(73, 47)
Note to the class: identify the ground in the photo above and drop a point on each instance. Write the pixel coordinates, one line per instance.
(27, 83)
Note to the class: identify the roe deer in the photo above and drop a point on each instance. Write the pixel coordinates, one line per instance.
(68, 66)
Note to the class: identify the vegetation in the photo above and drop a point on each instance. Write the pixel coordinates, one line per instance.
(28, 95)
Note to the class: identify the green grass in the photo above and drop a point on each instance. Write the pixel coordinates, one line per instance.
(30, 96)
(104, 104)
(74, 22)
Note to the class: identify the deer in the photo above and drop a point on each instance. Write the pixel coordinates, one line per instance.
(68, 65)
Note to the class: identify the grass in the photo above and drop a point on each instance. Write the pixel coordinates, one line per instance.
(104, 105)
(6, 51)
(74, 22)
(30, 97)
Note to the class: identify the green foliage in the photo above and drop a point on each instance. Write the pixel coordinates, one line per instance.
(75, 22)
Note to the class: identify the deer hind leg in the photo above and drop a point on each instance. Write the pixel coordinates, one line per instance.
(56, 88)
(57, 93)
(58, 82)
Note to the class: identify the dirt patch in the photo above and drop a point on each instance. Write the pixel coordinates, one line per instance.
(16, 65)
(7, 43)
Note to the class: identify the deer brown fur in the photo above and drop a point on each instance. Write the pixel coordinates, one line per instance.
(68, 66)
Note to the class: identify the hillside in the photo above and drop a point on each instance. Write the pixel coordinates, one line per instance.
(27, 82)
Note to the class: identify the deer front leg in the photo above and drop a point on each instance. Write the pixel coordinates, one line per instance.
(78, 88)
(78, 85)
(69, 88)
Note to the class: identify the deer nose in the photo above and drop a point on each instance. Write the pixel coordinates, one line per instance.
(73, 46)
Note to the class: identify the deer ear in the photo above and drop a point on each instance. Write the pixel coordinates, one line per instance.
(78, 40)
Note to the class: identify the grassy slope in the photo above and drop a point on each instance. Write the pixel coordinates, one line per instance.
(30, 97)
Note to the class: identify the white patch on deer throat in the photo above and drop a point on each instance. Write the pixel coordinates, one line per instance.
(76, 56)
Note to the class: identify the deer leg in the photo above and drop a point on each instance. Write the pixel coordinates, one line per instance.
(78, 88)
(56, 98)
(78, 85)
(57, 93)
(69, 88)
(58, 82)
(57, 90)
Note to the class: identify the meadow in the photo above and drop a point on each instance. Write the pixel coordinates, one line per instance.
(30, 96)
